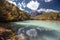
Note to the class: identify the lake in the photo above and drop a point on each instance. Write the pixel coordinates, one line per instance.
(47, 24)
(43, 30)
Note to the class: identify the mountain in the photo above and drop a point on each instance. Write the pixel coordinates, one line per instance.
(48, 16)
(41, 11)
(35, 13)
(9, 12)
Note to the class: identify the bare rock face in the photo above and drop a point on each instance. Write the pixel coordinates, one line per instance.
(9, 12)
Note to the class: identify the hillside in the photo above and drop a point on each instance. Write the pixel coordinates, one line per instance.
(48, 16)
(9, 12)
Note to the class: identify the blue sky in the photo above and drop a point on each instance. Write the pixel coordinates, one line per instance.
(39, 5)
(54, 4)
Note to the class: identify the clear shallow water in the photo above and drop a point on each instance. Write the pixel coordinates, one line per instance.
(43, 30)
(47, 24)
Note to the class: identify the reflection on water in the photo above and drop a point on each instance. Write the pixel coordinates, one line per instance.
(37, 33)
(34, 30)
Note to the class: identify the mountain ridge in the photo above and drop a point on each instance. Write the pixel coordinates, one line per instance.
(48, 16)
(10, 12)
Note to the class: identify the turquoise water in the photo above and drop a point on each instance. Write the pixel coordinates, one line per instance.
(47, 24)
(40, 28)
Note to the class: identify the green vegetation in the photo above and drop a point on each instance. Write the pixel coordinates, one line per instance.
(49, 16)
(9, 12)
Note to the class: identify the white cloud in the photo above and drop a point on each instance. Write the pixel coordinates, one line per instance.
(33, 5)
(23, 4)
(48, 0)
(20, 6)
(47, 10)
(11, 1)
(32, 32)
